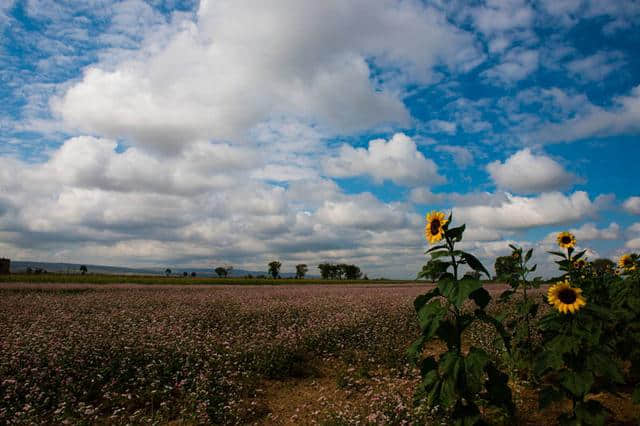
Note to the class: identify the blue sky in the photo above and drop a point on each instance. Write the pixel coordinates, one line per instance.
(186, 133)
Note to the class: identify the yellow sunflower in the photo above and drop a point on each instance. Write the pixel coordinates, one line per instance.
(580, 263)
(566, 239)
(566, 299)
(434, 231)
(626, 262)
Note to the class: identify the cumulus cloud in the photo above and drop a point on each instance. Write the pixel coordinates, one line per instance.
(425, 196)
(632, 205)
(397, 159)
(212, 79)
(517, 212)
(515, 65)
(526, 172)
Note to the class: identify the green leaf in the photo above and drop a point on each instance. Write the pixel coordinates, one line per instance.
(605, 366)
(415, 350)
(466, 414)
(427, 365)
(450, 366)
(577, 383)
(438, 254)
(434, 248)
(474, 263)
(558, 253)
(549, 395)
(548, 360)
(422, 300)
(636, 395)
(591, 412)
(481, 297)
(458, 292)
(447, 332)
(455, 233)
(533, 268)
(430, 316)
(528, 255)
(579, 255)
(474, 365)
(498, 390)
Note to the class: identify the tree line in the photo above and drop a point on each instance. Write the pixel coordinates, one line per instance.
(328, 271)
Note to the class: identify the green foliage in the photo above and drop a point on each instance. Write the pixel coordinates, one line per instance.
(524, 346)
(301, 270)
(456, 382)
(505, 267)
(274, 269)
(579, 356)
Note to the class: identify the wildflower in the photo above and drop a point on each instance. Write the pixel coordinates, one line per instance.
(626, 262)
(435, 226)
(566, 299)
(566, 240)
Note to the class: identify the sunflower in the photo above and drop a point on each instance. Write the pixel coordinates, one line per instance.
(626, 262)
(580, 263)
(566, 239)
(566, 299)
(435, 226)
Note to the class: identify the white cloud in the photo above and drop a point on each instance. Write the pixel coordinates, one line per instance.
(589, 232)
(632, 205)
(213, 79)
(461, 155)
(623, 117)
(597, 66)
(397, 159)
(526, 172)
(515, 65)
(633, 244)
(634, 228)
(552, 208)
(425, 196)
(437, 126)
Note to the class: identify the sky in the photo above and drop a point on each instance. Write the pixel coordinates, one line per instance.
(178, 133)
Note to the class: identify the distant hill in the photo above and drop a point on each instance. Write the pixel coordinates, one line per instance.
(21, 266)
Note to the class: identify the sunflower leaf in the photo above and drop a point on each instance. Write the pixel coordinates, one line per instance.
(557, 253)
(528, 255)
(458, 292)
(455, 233)
(579, 255)
(474, 263)
(441, 246)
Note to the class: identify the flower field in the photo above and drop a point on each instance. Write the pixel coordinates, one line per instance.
(117, 354)
(127, 353)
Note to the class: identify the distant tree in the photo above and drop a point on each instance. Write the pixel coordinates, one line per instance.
(185, 274)
(167, 271)
(334, 272)
(274, 268)
(83, 269)
(29, 270)
(325, 270)
(505, 267)
(193, 274)
(366, 278)
(432, 270)
(352, 272)
(603, 265)
(301, 270)
(221, 271)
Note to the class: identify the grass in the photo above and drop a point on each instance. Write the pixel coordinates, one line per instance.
(62, 278)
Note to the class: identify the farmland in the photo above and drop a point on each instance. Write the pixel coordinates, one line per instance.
(219, 354)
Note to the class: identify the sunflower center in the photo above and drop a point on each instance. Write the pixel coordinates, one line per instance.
(626, 262)
(435, 226)
(567, 296)
(566, 239)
